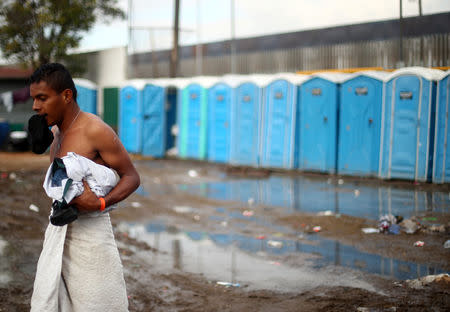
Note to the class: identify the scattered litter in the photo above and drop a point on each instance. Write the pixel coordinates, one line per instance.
(369, 230)
(248, 213)
(136, 205)
(317, 228)
(196, 217)
(157, 180)
(224, 223)
(394, 229)
(426, 280)
(386, 221)
(261, 237)
(193, 173)
(228, 284)
(419, 244)
(172, 151)
(409, 226)
(278, 234)
(4, 175)
(356, 193)
(251, 201)
(447, 244)
(275, 263)
(362, 309)
(429, 219)
(325, 213)
(12, 176)
(34, 208)
(182, 209)
(340, 181)
(436, 228)
(274, 244)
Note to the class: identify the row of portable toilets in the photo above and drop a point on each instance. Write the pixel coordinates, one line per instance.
(391, 125)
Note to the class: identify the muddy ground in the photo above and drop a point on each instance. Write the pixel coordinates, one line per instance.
(149, 289)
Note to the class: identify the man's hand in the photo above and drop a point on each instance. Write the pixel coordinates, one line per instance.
(87, 201)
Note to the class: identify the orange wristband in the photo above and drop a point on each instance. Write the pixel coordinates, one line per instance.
(102, 203)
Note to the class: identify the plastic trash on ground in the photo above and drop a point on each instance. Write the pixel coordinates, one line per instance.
(275, 244)
(229, 284)
(182, 209)
(317, 228)
(370, 230)
(447, 244)
(192, 173)
(394, 229)
(419, 244)
(34, 208)
(325, 213)
(427, 280)
(409, 226)
(136, 205)
(248, 213)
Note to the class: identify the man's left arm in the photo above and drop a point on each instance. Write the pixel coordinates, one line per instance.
(113, 153)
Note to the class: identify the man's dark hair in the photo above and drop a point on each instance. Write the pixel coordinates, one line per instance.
(56, 76)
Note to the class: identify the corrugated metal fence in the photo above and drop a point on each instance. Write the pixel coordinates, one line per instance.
(428, 51)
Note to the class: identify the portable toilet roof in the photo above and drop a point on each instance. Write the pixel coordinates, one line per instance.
(139, 84)
(427, 73)
(84, 83)
(293, 78)
(260, 80)
(375, 74)
(333, 77)
(204, 81)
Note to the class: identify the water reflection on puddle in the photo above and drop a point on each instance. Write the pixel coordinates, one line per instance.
(301, 194)
(271, 262)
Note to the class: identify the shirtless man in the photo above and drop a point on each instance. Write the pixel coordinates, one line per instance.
(54, 95)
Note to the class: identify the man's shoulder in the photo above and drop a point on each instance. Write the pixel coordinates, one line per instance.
(95, 125)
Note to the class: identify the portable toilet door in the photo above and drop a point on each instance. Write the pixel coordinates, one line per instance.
(361, 99)
(318, 114)
(131, 116)
(111, 106)
(247, 112)
(154, 121)
(193, 118)
(86, 95)
(220, 98)
(278, 135)
(441, 167)
(408, 124)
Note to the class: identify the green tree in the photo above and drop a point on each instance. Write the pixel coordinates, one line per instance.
(34, 32)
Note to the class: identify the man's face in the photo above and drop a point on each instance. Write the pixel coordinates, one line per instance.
(47, 102)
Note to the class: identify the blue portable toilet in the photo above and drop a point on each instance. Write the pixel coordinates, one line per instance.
(247, 119)
(131, 115)
(407, 127)
(278, 135)
(361, 98)
(193, 117)
(220, 103)
(159, 115)
(441, 168)
(318, 115)
(86, 95)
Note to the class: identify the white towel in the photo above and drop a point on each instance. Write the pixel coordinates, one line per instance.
(79, 268)
(100, 179)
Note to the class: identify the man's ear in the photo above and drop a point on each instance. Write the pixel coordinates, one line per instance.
(67, 95)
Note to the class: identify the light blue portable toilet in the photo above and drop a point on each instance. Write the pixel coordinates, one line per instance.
(407, 126)
(361, 98)
(318, 115)
(441, 168)
(193, 117)
(247, 120)
(159, 115)
(220, 102)
(86, 95)
(278, 135)
(131, 115)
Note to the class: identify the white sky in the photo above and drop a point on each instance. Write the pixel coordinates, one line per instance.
(252, 18)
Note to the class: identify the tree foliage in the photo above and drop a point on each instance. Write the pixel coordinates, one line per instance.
(34, 32)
